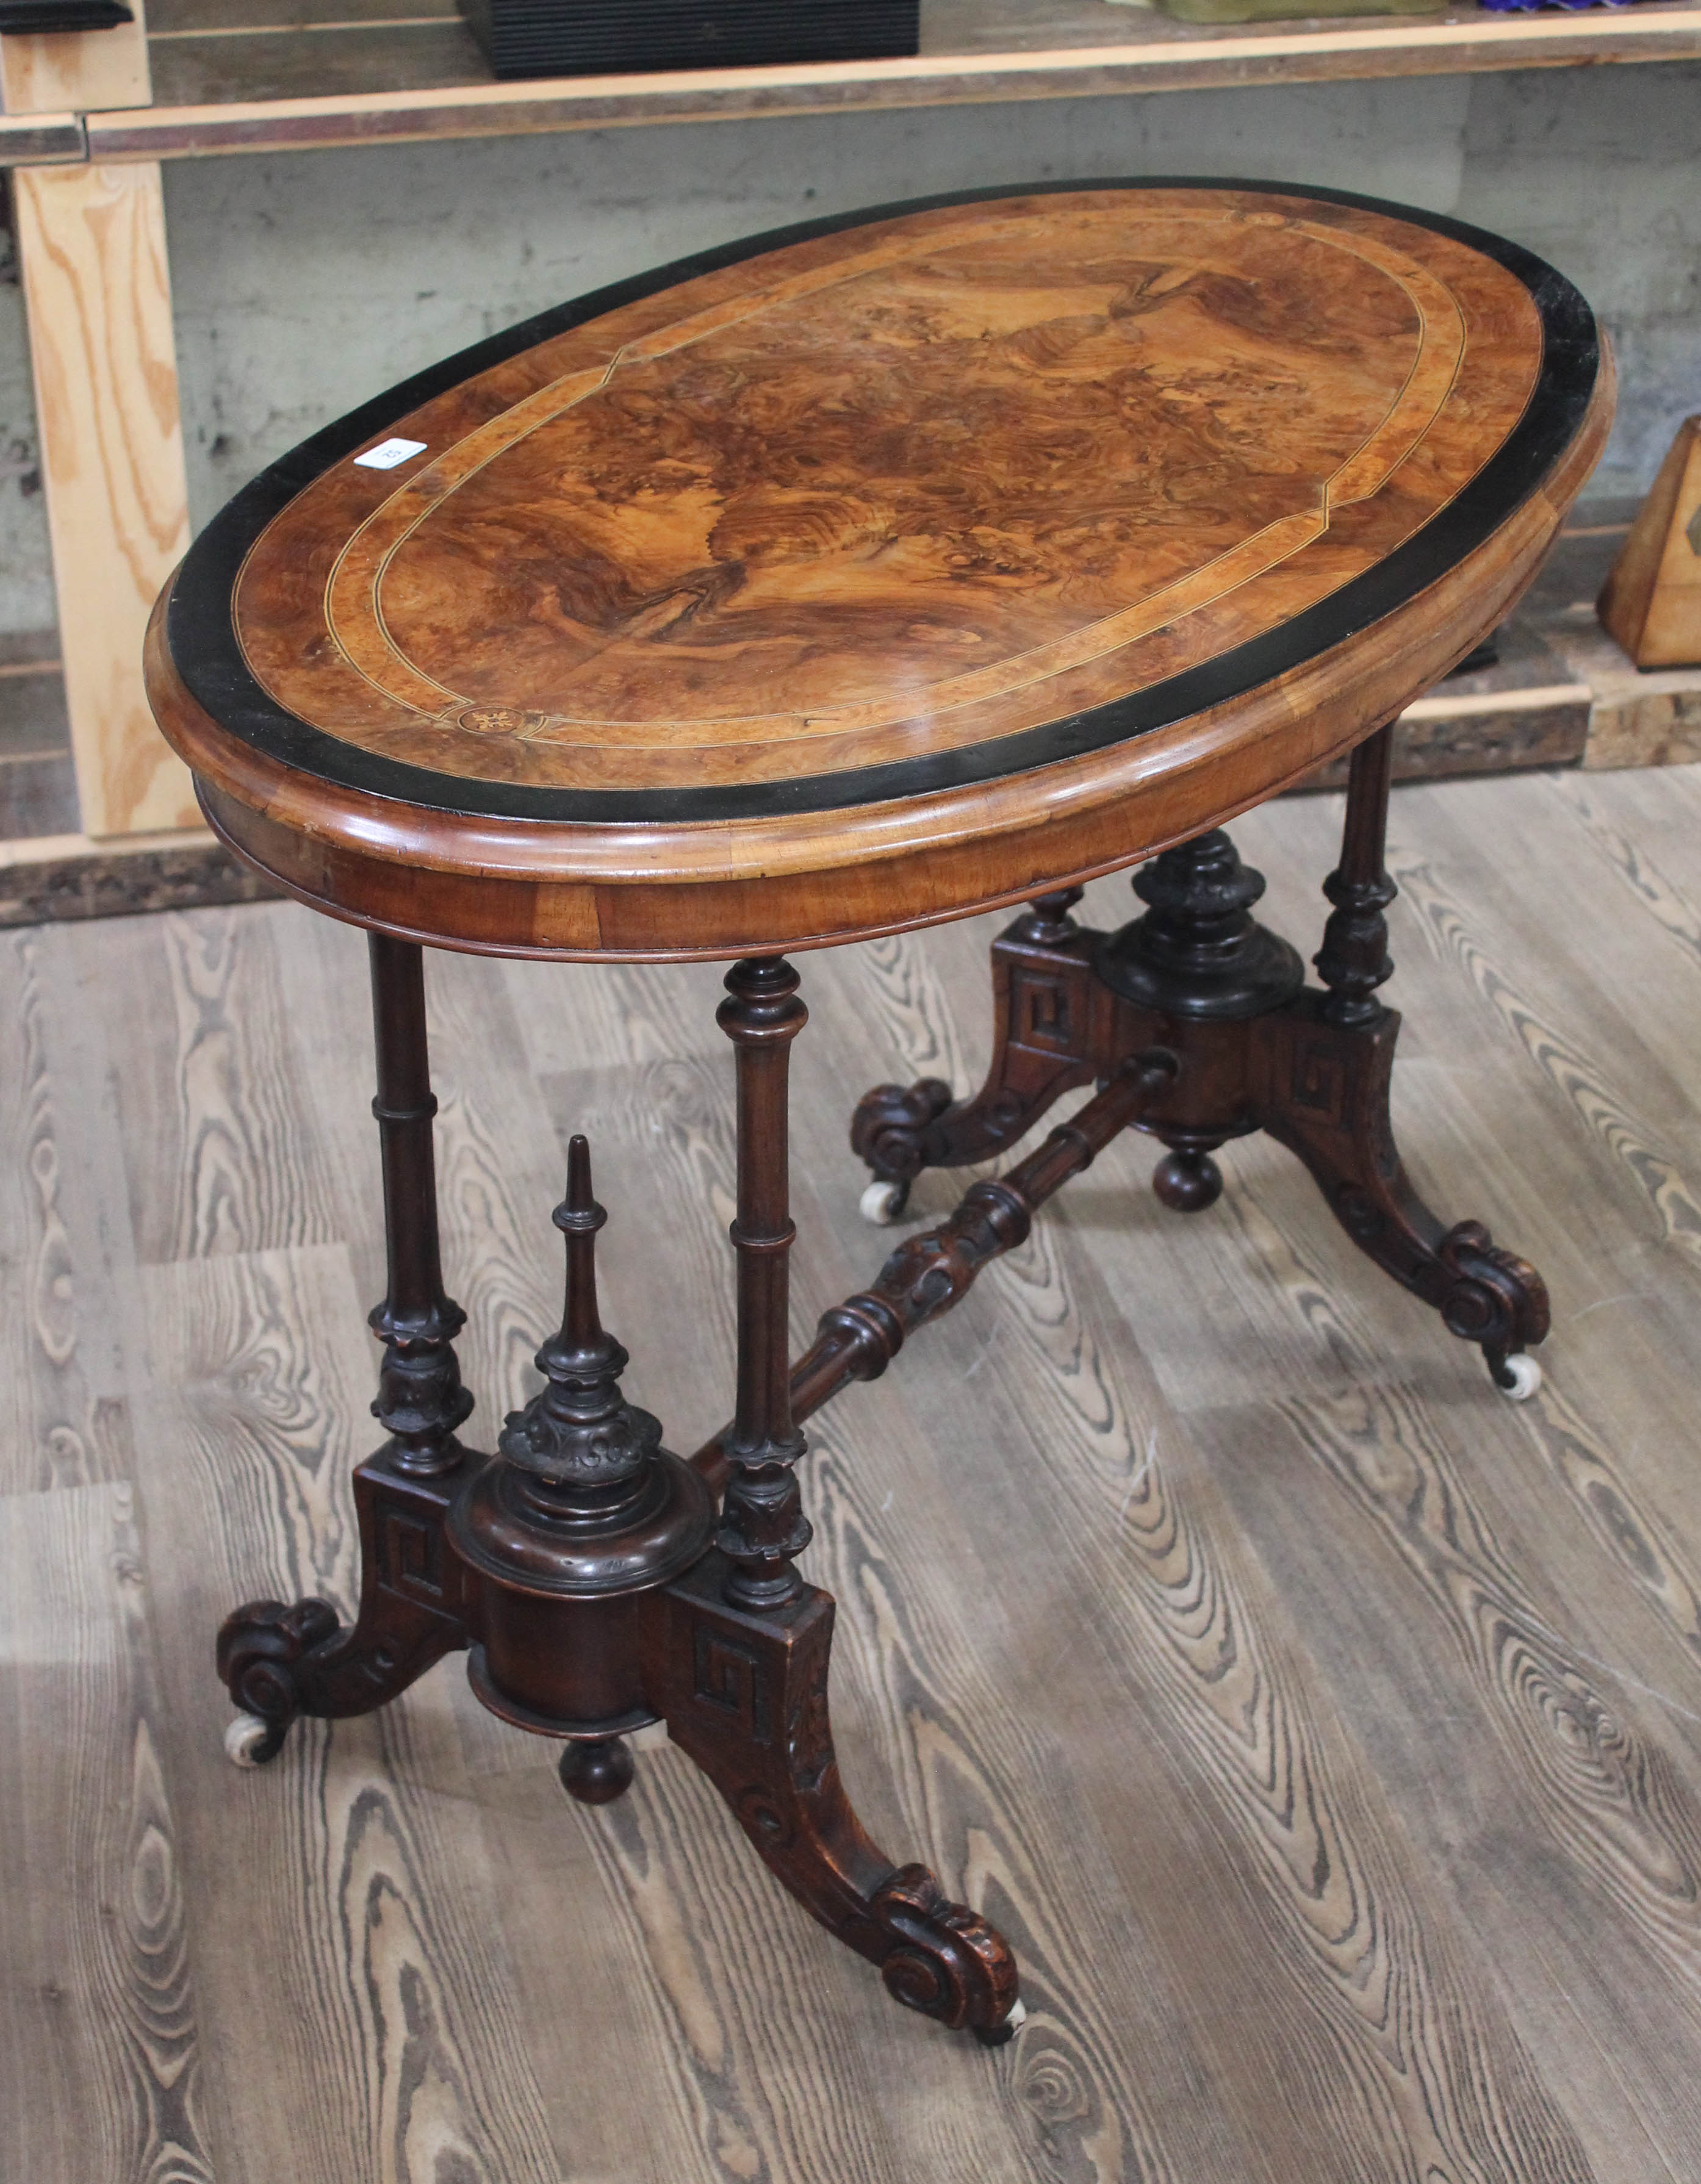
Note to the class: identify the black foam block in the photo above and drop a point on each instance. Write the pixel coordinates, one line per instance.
(622, 37)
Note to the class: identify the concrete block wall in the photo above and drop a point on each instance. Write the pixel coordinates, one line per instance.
(26, 583)
(305, 283)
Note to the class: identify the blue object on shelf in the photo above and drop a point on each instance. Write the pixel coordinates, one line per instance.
(1530, 6)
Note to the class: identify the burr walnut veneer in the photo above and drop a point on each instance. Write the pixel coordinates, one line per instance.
(843, 581)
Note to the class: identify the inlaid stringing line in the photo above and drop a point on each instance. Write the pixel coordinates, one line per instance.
(400, 681)
(1108, 634)
(507, 429)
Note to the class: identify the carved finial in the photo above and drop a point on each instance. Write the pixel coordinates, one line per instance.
(1197, 951)
(1200, 897)
(579, 1217)
(580, 1431)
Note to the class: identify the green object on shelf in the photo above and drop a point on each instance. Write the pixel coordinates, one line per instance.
(1291, 11)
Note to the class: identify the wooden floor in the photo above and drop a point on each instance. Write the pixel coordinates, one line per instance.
(1324, 1731)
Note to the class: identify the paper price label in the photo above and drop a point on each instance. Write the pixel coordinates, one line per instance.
(388, 453)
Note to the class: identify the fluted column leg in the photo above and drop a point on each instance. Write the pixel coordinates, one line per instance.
(1353, 960)
(421, 1401)
(280, 1660)
(762, 1525)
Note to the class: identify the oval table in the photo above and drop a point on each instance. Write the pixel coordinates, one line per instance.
(837, 582)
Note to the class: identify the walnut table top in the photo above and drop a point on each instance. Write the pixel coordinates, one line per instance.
(880, 571)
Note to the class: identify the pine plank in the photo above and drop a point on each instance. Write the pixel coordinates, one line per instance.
(91, 251)
(100, 2020)
(214, 1097)
(44, 69)
(1628, 1101)
(1539, 1785)
(1323, 1731)
(1168, 55)
(344, 1897)
(595, 2008)
(64, 1416)
(1271, 1802)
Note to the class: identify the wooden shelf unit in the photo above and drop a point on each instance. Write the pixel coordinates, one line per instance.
(263, 87)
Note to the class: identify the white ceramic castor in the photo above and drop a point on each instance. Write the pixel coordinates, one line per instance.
(881, 1202)
(243, 1739)
(1525, 1378)
(1001, 2035)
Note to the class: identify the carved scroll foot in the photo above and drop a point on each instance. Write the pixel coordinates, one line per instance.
(1050, 1033)
(889, 1131)
(745, 1693)
(1494, 1299)
(945, 1961)
(260, 1647)
(1323, 1091)
(278, 1661)
(899, 1131)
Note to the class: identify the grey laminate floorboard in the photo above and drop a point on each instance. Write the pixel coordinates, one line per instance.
(1326, 1731)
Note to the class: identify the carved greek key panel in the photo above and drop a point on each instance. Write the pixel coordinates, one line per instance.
(409, 1552)
(1045, 1012)
(733, 1680)
(1319, 1083)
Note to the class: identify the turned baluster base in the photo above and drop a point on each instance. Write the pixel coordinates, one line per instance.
(1254, 1049)
(587, 1573)
(743, 1691)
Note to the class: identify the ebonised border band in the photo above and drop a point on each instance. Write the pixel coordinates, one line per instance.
(202, 638)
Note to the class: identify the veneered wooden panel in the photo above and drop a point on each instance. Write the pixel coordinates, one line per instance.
(900, 489)
(812, 880)
(912, 562)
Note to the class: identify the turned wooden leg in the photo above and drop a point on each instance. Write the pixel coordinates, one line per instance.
(739, 1666)
(1322, 1069)
(931, 1271)
(278, 1661)
(1047, 1037)
(1353, 960)
(762, 1524)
